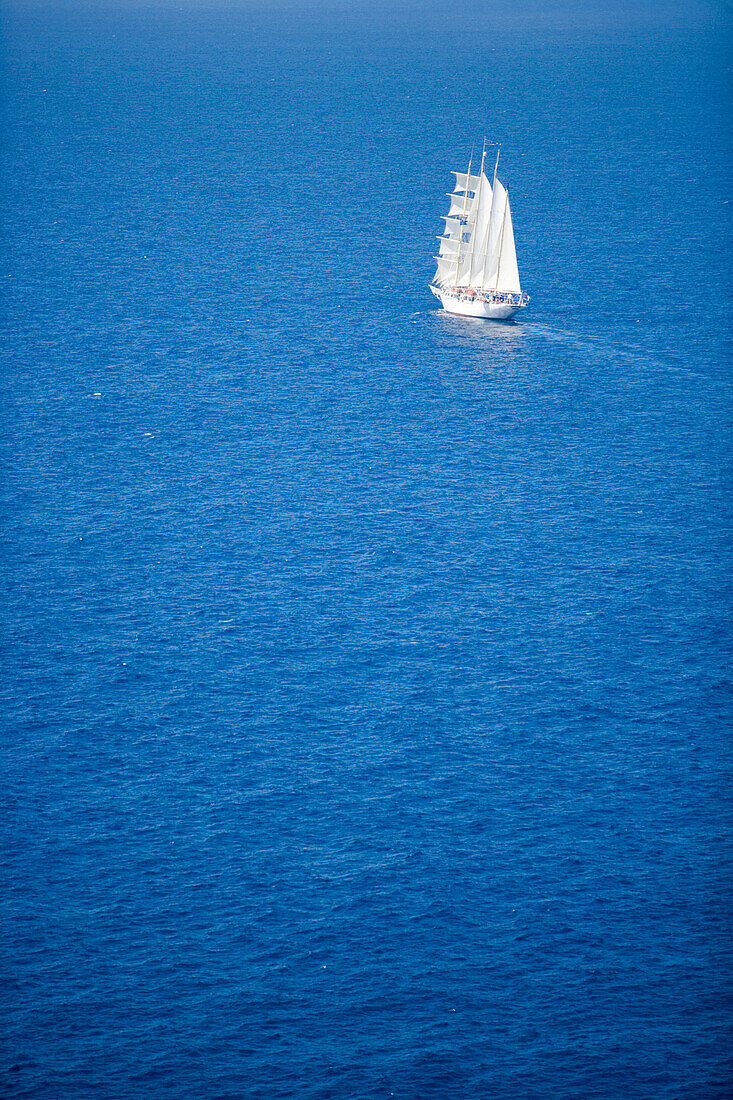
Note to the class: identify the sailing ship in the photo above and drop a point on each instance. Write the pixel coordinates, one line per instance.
(477, 273)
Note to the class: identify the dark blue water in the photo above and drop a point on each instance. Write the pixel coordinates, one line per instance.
(365, 672)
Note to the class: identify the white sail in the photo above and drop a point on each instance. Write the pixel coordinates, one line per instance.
(447, 262)
(460, 205)
(453, 227)
(459, 224)
(446, 270)
(508, 274)
(449, 243)
(472, 262)
(480, 233)
(463, 277)
(464, 181)
(458, 228)
(463, 206)
(493, 242)
(493, 238)
(500, 270)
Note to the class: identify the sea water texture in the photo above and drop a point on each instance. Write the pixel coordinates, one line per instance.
(365, 678)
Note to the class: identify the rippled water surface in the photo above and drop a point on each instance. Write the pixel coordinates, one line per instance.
(365, 679)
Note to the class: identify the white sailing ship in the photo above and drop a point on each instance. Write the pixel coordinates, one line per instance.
(477, 272)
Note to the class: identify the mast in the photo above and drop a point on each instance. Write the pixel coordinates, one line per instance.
(463, 215)
(478, 205)
(491, 211)
(501, 241)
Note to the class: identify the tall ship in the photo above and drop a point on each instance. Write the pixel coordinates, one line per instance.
(477, 273)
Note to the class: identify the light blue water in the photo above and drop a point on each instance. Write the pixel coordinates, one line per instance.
(365, 692)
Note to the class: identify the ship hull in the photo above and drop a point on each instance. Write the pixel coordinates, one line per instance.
(464, 305)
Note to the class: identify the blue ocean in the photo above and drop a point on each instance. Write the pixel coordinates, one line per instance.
(365, 695)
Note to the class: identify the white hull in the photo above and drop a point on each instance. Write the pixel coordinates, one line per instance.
(471, 305)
